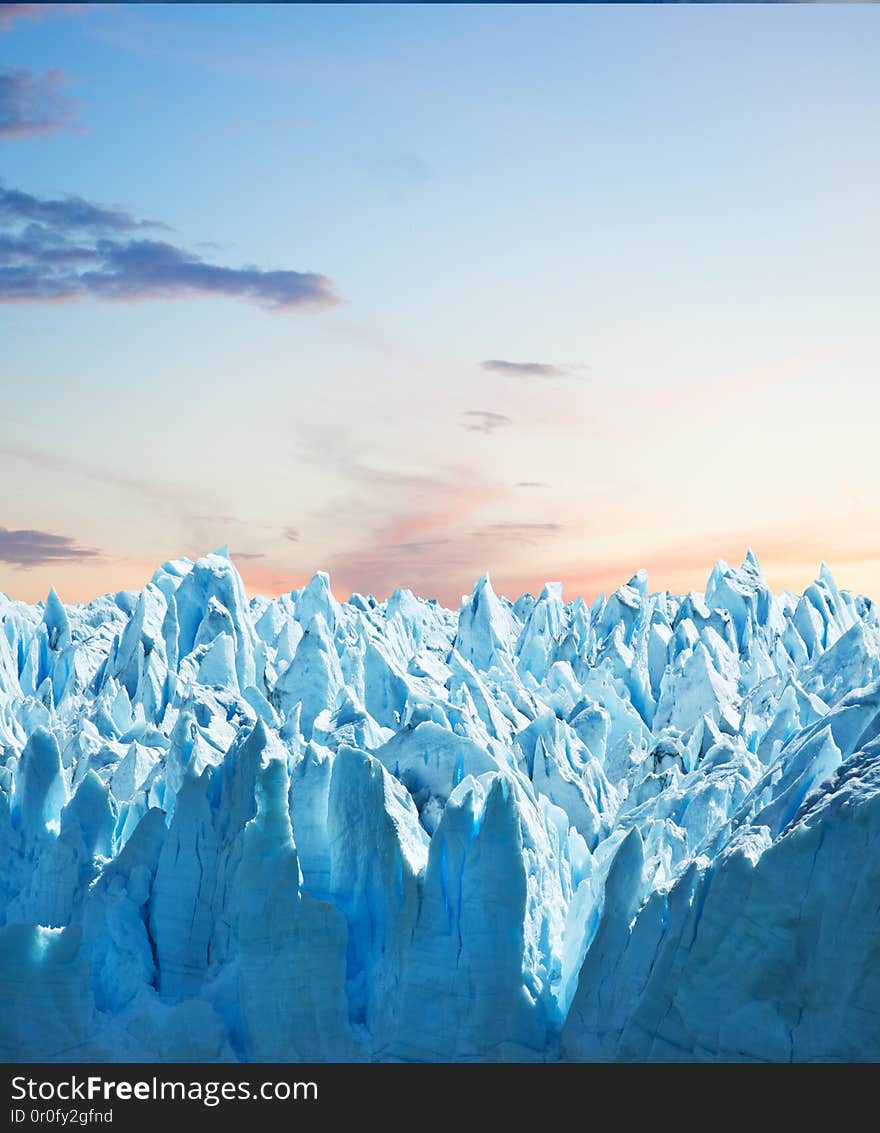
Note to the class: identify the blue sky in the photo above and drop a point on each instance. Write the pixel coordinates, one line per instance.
(672, 207)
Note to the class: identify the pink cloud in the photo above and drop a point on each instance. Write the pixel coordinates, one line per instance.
(10, 14)
(34, 104)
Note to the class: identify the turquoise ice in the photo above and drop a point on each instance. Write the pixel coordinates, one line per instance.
(306, 829)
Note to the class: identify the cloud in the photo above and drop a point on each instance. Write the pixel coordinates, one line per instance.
(530, 484)
(153, 491)
(269, 124)
(208, 522)
(523, 369)
(414, 535)
(34, 104)
(182, 502)
(220, 520)
(291, 534)
(482, 421)
(518, 532)
(70, 248)
(68, 215)
(36, 548)
(397, 166)
(10, 13)
(262, 576)
(246, 556)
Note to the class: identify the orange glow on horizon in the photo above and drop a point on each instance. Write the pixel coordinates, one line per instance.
(674, 571)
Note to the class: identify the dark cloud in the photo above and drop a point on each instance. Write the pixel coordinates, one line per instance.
(69, 248)
(246, 556)
(33, 104)
(67, 216)
(292, 534)
(482, 421)
(149, 268)
(523, 369)
(36, 548)
(32, 246)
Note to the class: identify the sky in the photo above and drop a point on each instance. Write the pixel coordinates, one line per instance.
(408, 293)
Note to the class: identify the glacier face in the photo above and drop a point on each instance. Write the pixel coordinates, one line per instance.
(301, 829)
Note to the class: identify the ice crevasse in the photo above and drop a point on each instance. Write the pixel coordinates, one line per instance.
(302, 829)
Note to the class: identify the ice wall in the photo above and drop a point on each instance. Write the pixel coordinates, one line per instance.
(303, 829)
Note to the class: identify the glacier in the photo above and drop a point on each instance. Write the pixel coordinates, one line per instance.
(299, 829)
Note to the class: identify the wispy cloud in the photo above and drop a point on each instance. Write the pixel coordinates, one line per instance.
(187, 506)
(36, 548)
(208, 521)
(397, 166)
(523, 369)
(33, 105)
(762, 377)
(70, 248)
(10, 14)
(291, 534)
(514, 532)
(483, 421)
(247, 556)
(530, 484)
(153, 491)
(256, 126)
(415, 529)
(215, 520)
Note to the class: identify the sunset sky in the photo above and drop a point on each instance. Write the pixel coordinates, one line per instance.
(410, 293)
